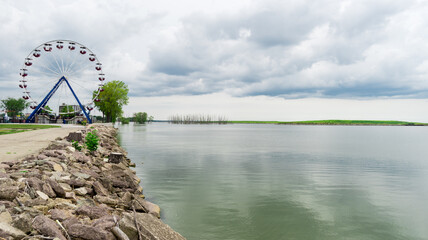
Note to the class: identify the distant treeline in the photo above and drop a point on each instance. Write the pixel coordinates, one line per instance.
(140, 117)
(197, 119)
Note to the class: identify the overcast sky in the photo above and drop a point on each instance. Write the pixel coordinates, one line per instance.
(243, 59)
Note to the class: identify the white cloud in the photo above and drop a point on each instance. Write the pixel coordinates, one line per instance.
(293, 49)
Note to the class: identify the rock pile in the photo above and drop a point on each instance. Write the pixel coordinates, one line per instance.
(65, 194)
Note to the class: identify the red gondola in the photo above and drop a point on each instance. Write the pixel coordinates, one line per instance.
(28, 63)
(102, 78)
(89, 108)
(24, 74)
(101, 89)
(97, 100)
(22, 85)
(33, 107)
(36, 54)
(25, 97)
(47, 47)
(59, 45)
(71, 46)
(82, 50)
(91, 59)
(98, 68)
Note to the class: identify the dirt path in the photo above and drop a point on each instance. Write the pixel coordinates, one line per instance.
(18, 145)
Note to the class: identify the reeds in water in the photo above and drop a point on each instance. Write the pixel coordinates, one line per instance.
(197, 119)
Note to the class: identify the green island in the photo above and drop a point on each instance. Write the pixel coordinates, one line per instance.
(338, 122)
(16, 128)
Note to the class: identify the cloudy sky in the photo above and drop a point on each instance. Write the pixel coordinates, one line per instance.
(243, 59)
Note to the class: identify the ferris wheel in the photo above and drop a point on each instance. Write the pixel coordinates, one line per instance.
(61, 73)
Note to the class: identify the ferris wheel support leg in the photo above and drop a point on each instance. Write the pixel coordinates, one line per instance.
(77, 99)
(43, 103)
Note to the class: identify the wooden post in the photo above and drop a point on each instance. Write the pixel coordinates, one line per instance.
(115, 157)
(75, 136)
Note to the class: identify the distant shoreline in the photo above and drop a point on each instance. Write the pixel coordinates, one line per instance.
(337, 123)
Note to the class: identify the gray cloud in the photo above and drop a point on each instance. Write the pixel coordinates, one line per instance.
(341, 49)
(292, 49)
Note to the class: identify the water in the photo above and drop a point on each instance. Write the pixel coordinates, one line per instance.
(284, 182)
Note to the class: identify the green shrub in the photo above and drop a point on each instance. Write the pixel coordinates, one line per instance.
(92, 141)
(76, 145)
(124, 120)
(140, 117)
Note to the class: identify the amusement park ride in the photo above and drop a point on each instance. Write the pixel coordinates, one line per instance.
(65, 70)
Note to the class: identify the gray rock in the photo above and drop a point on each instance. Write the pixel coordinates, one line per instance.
(89, 232)
(58, 145)
(119, 183)
(106, 222)
(92, 211)
(59, 214)
(66, 187)
(81, 175)
(7, 204)
(35, 183)
(81, 157)
(76, 183)
(8, 192)
(106, 200)
(8, 230)
(81, 191)
(146, 206)
(60, 192)
(150, 227)
(23, 222)
(47, 227)
(5, 217)
(99, 189)
(46, 188)
(42, 195)
(70, 222)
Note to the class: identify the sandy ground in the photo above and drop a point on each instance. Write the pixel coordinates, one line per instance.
(18, 145)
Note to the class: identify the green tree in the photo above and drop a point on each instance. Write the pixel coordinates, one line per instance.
(112, 99)
(124, 120)
(140, 117)
(47, 111)
(14, 106)
(67, 111)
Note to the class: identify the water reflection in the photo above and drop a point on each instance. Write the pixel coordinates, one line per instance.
(284, 182)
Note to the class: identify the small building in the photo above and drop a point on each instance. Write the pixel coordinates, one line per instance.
(66, 108)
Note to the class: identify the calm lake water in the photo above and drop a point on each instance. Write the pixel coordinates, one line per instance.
(284, 182)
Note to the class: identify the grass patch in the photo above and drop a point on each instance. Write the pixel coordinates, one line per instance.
(26, 126)
(16, 128)
(356, 122)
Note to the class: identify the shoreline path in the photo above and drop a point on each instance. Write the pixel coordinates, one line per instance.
(18, 145)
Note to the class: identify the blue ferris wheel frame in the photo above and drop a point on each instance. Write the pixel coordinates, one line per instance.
(42, 104)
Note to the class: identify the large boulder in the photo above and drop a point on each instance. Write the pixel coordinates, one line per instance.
(8, 192)
(151, 228)
(47, 227)
(23, 222)
(93, 212)
(6, 231)
(56, 188)
(89, 233)
(100, 189)
(146, 206)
